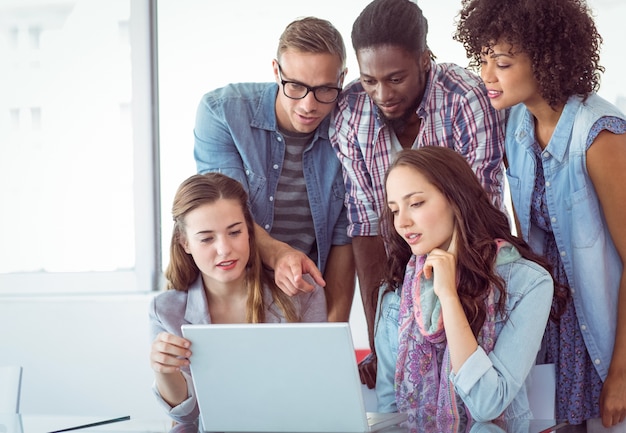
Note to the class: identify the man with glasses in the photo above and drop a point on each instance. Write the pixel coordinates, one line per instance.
(273, 138)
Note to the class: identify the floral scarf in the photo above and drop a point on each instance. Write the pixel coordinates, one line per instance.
(423, 387)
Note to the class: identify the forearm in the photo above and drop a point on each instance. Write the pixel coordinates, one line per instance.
(461, 341)
(340, 281)
(370, 259)
(172, 387)
(618, 360)
(269, 248)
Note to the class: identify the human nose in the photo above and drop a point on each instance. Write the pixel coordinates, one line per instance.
(487, 72)
(223, 247)
(381, 92)
(309, 103)
(402, 219)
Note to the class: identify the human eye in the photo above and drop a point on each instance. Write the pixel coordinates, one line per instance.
(393, 210)
(235, 233)
(368, 81)
(207, 240)
(296, 87)
(396, 80)
(417, 203)
(325, 90)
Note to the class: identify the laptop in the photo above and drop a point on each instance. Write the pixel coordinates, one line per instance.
(289, 377)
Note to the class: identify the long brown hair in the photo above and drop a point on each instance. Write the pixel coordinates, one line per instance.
(478, 223)
(182, 271)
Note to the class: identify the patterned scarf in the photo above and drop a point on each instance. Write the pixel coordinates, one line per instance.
(423, 387)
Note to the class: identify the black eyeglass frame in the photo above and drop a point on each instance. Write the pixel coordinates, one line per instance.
(309, 89)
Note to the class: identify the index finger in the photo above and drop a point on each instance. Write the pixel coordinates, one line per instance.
(453, 242)
(174, 340)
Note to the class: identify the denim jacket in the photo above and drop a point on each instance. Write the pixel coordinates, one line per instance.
(489, 384)
(236, 134)
(591, 262)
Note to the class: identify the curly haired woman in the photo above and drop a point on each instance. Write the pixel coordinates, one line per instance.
(566, 155)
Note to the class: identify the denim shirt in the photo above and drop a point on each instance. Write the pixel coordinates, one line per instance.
(590, 259)
(489, 384)
(236, 134)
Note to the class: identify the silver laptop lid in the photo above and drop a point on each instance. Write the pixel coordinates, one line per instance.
(276, 377)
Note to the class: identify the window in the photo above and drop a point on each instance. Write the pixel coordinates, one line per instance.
(77, 176)
(83, 185)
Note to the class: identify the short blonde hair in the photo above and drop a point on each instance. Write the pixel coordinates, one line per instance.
(312, 35)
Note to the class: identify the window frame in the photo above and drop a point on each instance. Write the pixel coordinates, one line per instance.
(146, 274)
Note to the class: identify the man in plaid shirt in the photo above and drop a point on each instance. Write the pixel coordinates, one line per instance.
(403, 99)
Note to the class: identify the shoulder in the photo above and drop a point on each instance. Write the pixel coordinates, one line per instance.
(351, 95)
(311, 306)
(454, 79)
(239, 93)
(593, 108)
(523, 276)
(169, 302)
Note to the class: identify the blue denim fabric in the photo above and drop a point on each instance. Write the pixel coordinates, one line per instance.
(236, 134)
(591, 262)
(492, 384)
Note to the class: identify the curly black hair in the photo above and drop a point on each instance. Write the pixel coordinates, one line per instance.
(559, 36)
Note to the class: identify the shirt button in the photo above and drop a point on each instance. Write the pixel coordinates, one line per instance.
(279, 138)
(267, 227)
(553, 219)
(271, 198)
(247, 172)
(546, 155)
(597, 362)
(583, 327)
(563, 253)
(547, 183)
(275, 166)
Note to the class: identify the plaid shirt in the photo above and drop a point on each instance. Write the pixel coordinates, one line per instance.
(454, 112)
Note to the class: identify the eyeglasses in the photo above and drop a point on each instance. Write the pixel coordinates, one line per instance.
(295, 90)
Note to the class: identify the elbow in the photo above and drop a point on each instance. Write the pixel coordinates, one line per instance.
(486, 414)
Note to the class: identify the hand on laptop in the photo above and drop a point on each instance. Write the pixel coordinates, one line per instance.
(169, 353)
(367, 370)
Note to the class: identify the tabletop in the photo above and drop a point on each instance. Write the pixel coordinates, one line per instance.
(120, 423)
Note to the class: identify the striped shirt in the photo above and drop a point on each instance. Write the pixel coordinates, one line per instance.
(293, 222)
(454, 112)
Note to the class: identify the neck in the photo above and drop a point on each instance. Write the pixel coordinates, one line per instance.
(227, 302)
(546, 119)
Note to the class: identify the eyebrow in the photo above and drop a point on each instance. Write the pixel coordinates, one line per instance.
(386, 76)
(406, 196)
(290, 80)
(202, 232)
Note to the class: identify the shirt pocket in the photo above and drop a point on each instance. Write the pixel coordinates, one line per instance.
(257, 189)
(585, 217)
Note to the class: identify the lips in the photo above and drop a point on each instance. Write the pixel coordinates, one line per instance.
(412, 238)
(493, 93)
(227, 264)
(307, 120)
(389, 107)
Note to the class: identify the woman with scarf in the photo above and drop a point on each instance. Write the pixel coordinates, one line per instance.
(466, 303)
